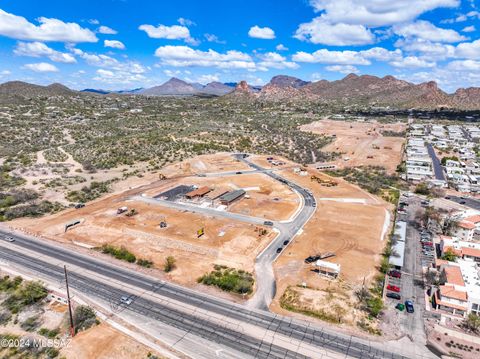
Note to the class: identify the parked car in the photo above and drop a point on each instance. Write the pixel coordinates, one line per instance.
(409, 306)
(395, 274)
(79, 205)
(309, 260)
(400, 307)
(268, 223)
(279, 250)
(447, 197)
(286, 242)
(393, 295)
(393, 288)
(9, 239)
(238, 173)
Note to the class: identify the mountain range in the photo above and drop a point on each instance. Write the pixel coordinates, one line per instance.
(351, 90)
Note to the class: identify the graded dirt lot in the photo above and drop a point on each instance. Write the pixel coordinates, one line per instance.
(361, 142)
(225, 242)
(349, 222)
(104, 342)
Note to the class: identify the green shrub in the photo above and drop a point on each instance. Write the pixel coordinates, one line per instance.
(229, 280)
(84, 318)
(120, 253)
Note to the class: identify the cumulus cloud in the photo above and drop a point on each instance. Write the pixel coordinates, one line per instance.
(281, 47)
(426, 48)
(275, 61)
(118, 76)
(205, 79)
(184, 56)
(261, 32)
(214, 38)
(174, 32)
(468, 50)
(344, 69)
(324, 56)
(106, 30)
(114, 44)
(412, 62)
(185, 22)
(464, 65)
(39, 49)
(321, 31)
(347, 57)
(17, 27)
(470, 28)
(427, 31)
(41, 67)
(377, 13)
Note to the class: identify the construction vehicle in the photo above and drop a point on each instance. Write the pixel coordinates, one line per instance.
(122, 209)
(369, 156)
(132, 212)
(162, 177)
(163, 222)
(323, 182)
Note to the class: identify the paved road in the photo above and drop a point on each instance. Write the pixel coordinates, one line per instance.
(466, 201)
(265, 280)
(412, 278)
(253, 333)
(266, 286)
(437, 166)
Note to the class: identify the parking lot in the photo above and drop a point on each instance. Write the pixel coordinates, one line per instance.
(409, 286)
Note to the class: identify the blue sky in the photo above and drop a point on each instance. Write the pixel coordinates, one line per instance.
(121, 44)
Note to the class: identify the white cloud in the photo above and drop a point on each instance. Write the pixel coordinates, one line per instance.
(470, 28)
(376, 13)
(275, 61)
(465, 65)
(5, 73)
(214, 38)
(106, 30)
(348, 57)
(261, 32)
(174, 32)
(316, 76)
(427, 31)
(344, 69)
(184, 56)
(469, 50)
(205, 79)
(94, 22)
(427, 49)
(281, 47)
(320, 31)
(412, 62)
(185, 22)
(381, 54)
(41, 67)
(114, 44)
(39, 49)
(17, 27)
(324, 56)
(119, 76)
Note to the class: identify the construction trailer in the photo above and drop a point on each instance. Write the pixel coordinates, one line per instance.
(122, 210)
(232, 196)
(328, 269)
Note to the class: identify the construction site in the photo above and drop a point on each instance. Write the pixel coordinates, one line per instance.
(225, 217)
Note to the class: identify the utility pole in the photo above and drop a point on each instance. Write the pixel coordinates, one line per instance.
(72, 327)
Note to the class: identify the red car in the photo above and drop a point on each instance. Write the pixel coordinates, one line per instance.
(393, 288)
(430, 244)
(395, 274)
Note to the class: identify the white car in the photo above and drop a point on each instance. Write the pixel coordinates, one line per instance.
(9, 239)
(125, 299)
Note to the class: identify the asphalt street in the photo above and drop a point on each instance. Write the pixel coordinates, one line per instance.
(266, 287)
(238, 339)
(437, 166)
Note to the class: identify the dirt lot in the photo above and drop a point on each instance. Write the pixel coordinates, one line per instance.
(104, 342)
(358, 141)
(225, 242)
(349, 222)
